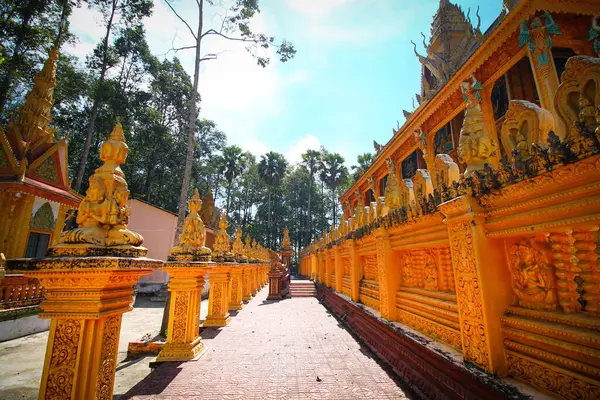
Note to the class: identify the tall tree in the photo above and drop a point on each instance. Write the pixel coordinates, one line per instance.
(234, 163)
(312, 161)
(236, 21)
(116, 13)
(271, 168)
(334, 174)
(363, 161)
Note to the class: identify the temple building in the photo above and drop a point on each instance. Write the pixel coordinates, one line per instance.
(35, 193)
(477, 224)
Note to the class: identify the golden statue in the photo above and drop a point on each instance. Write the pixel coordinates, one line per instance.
(254, 251)
(248, 248)
(475, 145)
(103, 214)
(221, 246)
(522, 146)
(286, 243)
(393, 193)
(2, 266)
(238, 247)
(193, 237)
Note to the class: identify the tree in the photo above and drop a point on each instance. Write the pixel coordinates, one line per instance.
(364, 161)
(28, 29)
(237, 19)
(234, 163)
(130, 12)
(271, 168)
(312, 161)
(334, 175)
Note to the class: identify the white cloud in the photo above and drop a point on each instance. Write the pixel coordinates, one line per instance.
(306, 142)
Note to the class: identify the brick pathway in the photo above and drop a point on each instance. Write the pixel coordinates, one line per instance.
(274, 350)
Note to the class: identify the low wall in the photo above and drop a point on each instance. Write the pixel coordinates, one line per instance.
(23, 326)
(428, 373)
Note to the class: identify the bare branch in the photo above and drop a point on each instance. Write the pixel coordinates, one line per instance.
(181, 19)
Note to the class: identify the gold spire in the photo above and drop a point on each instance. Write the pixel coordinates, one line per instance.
(34, 115)
(238, 246)
(286, 243)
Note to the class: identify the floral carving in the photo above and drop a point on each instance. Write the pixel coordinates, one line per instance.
(216, 300)
(110, 349)
(64, 358)
(430, 271)
(180, 317)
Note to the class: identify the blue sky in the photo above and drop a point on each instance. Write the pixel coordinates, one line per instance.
(354, 72)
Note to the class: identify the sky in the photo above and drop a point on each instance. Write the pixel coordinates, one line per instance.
(353, 73)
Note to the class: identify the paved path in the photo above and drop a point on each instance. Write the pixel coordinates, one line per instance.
(291, 349)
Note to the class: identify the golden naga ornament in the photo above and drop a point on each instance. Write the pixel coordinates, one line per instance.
(103, 214)
(193, 236)
(238, 247)
(475, 145)
(221, 246)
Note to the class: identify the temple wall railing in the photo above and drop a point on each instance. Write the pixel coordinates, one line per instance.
(19, 293)
(501, 265)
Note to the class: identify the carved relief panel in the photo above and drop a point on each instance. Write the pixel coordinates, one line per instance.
(370, 268)
(532, 274)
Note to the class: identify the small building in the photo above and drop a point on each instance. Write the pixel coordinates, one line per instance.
(35, 194)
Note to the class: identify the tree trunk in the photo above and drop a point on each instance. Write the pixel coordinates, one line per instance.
(310, 210)
(189, 158)
(269, 217)
(334, 205)
(97, 100)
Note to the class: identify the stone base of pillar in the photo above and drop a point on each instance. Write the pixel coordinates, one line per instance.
(236, 307)
(247, 298)
(180, 352)
(217, 321)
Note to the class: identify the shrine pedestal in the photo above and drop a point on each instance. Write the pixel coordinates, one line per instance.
(185, 286)
(246, 286)
(218, 303)
(85, 300)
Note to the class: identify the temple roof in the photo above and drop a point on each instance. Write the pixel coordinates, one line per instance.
(29, 152)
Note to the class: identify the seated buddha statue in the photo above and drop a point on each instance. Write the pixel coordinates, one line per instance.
(193, 236)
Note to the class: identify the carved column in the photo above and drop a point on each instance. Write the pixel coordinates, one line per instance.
(235, 288)
(246, 290)
(254, 280)
(313, 266)
(85, 300)
(328, 267)
(589, 284)
(339, 270)
(218, 304)
(565, 262)
(15, 225)
(387, 276)
(355, 273)
(483, 287)
(185, 288)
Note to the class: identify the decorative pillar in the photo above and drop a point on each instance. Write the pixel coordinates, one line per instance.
(328, 267)
(355, 274)
(483, 286)
(387, 276)
(19, 212)
(339, 270)
(254, 280)
(274, 275)
(218, 303)
(236, 288)
(185, 288)
(537, 35)
(313, 266)
(89, 277)
(246, 295)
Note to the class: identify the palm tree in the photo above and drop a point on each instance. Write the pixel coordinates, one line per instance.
(364, 162)
(271, 169)
(334, 175)
(312, 161)
(232, 165)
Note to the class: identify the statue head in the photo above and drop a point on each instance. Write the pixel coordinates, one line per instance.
(194, 204)
(115, 149)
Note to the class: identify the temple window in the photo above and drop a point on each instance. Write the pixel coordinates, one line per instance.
(411, 163)
(520, 82)
(443, 142)
(561, 55)
(37, 244)
(500, 100)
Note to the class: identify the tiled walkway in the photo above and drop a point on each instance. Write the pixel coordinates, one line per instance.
(291, 349)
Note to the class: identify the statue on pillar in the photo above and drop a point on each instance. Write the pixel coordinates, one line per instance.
(193, 236)
(103, 214)
(393, 193)
(475, 145)
(238, 247)
(221, 246)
